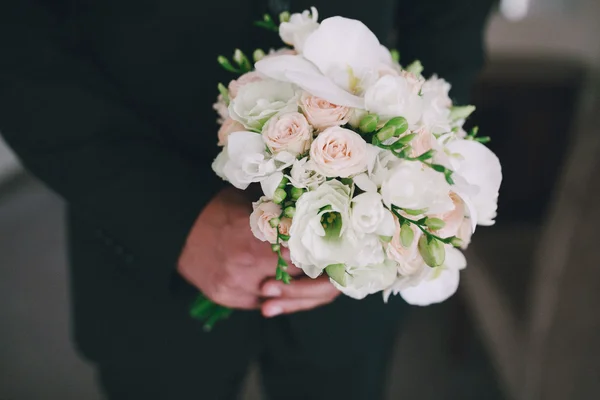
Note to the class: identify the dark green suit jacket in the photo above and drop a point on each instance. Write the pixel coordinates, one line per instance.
(109, 103)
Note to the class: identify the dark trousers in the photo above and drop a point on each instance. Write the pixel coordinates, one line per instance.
(340, 351)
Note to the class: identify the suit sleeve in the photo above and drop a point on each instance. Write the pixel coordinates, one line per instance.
(447, 37)
(71, 129)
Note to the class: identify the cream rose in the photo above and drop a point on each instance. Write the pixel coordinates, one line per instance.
(322, 114)
(260, 220)
(287, 132)
(235, 85)
(227, 128)
(339, 152)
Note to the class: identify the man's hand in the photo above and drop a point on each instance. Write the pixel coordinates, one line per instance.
(224, 260)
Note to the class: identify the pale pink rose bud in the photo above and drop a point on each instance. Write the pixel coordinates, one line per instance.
(288, 132)
(339, 152)
(322, 114)
(264, 212)
(229, 126)
(235, 85)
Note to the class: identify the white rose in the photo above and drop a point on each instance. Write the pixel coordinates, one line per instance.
(321, 233)
(394, 96)
(227, 128)
(288, 132)
(339, 152)
(256, 102)
(361, 282)
(264, 212)
(322, 114)
(246, 161)
(413, 186)
(236, 84)
(298, 28)
(439, 283)
(480, 167)
(437, 104)
(304, 176)
(370, 216)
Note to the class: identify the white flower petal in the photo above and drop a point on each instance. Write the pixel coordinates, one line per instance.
(323, 87)
(364, 183)
(269, 185)
(431, 291)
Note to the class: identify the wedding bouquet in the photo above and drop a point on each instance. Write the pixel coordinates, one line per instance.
(366, 172)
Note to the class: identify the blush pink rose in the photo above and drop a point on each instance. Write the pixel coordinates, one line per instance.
(454, 218)
(260, 220)
(322, 114)
(423, 142)
(227, 128)
(408, 258)
(235, 85)
(339, 152)
(287, 132)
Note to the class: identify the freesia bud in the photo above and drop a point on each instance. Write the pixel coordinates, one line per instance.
(407, 235)
(435, 223)
(337, 272)
(386, 133)
(289, 211)
(283, 183)
(279, 196)
(296, 193)
(461, 112)
(284, 17)
(275, 247)
(274, 222)
(258, 55)
(368, 123)
(415, 67)
(399, 124)
(456, 242)
(432, 251)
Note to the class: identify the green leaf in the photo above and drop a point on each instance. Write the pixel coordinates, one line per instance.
(483, 139)
(432, 251)
(435, 224)
(283, 237)
(407, 235)
(448, 176)
(337, 272)
(438, 168)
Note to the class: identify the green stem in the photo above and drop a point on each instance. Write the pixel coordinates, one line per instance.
(401, 218)
(209, 312)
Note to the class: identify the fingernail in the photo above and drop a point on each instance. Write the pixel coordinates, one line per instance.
(272, 291)
(273, 311)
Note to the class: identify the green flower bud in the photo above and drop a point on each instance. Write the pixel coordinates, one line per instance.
(407, 235)
(279, 196)
(432, 251)
(296, 192)
(395, 55)
(368, 123)
(407, 138)
(456, 242)
(386, 239)
(435, 223)
(414, 212)
(289, 212)
(461, 112)
(224, 62)
(283, 183)
(258, 55)
(274, 222)
(284, 16)
(386, 133)
(399, 124)
(337, 272)
(415, 67)
(275, 247)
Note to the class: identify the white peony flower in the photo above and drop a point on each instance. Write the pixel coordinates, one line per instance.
(256, 102)
(339, 152)
(245, 161)
(393, 96)
(340, 58)
(480, 167)
(322, 114)
(413, 186)
(361, 282)
(321, 232)
(439, 283)
(264, 212)
(370, 216)
(304, 176)
(288, 132)
(298, 28)
(436, 105)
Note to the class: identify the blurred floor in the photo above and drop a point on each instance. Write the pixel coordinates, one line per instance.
(438, 355)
